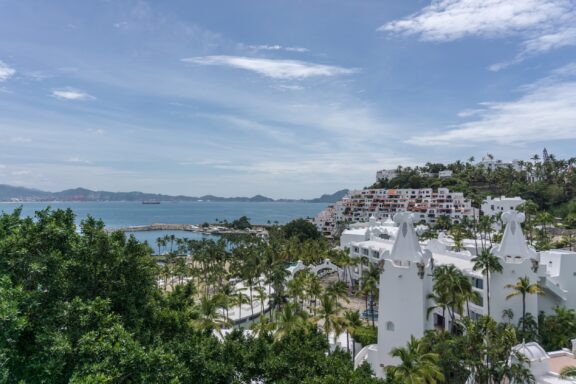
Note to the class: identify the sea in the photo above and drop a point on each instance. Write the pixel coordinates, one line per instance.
(124, 214)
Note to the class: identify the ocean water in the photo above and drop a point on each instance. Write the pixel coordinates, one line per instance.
(122, 214)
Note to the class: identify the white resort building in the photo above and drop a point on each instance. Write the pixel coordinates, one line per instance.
(492, 206)
(406, 280)
(426, 204)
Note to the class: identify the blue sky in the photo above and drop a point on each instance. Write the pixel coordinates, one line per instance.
(287, 98)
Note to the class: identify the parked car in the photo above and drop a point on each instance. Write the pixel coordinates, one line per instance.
(368, 315)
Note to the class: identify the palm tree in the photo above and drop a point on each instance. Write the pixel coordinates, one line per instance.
(261, 294)
(240, 298)
(290, 319)
(568, 372)
(352, 322)
(442, 301)
(451, 290)
(487, 263)
(530, 209)
(262, 326)
(545, 218)
(329, 312)
(209, 317)
(370, 288)
(416, 366)
(338, 290)
(295, 287)
(226, 298)
(314, 289)
(523, 287)
(458, 237)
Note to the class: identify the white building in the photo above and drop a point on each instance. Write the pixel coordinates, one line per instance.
(492, 206)
(445, 174)
(386, 174)
(426, 204)
(488, 162)
(406, 281)
(546, 367)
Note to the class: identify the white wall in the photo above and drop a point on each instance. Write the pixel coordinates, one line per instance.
(510, 274)
(403, 303)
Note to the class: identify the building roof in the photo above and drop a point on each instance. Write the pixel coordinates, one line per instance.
(406, 247)
(532, 350)
(513, 242)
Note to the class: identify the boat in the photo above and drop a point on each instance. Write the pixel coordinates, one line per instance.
(150, 202)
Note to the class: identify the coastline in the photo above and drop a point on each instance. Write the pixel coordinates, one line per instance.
(210, 229)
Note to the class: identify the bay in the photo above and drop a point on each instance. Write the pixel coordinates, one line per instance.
(123, 214)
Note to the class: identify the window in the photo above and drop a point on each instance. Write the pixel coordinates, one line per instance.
(390, 326)
(477, 283)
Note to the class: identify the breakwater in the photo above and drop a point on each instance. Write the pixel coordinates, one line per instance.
(209, 229)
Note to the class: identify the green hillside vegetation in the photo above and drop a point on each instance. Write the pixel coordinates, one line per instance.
(553, 191)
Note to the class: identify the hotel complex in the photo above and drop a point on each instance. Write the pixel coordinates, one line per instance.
(406, 282)
(425, 203)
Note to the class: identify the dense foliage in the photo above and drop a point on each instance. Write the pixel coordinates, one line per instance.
(81, 305)
(85, 307)
(551, 184)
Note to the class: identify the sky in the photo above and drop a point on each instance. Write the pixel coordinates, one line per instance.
(284, 98)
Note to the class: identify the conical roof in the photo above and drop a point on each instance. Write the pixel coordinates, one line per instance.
(513, 242)
(406, 247)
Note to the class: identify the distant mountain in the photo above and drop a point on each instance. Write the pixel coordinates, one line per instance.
(336, 196)
(8, 192)
(254, 199)
(11, 193)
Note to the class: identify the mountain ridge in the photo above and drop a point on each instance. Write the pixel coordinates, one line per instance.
(22, 194)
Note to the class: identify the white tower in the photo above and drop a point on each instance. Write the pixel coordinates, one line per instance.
(405, 280)
(518, 261)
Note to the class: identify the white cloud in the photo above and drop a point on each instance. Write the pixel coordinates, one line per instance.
(543, 25)
(277, 69)
(546, 111)
(253, 127)
(77, 160)
(71, 94)
(328, 165)
(277, 47)
(290, 87)
(20, 140)
(5, 71)
(95, 131)
(22, 172)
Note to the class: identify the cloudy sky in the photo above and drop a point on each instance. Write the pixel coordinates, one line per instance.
(286, 98)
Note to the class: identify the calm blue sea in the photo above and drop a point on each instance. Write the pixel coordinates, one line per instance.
(122, 214)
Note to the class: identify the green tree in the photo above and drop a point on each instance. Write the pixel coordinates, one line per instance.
(416, 365)
(302, 230)
(488, 264)
(290, 319)
(352, 322)
(329, 314)
(522, 288)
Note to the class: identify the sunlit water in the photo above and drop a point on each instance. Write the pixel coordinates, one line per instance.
(122, 214)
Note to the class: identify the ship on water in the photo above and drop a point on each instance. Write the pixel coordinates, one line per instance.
(150, 202)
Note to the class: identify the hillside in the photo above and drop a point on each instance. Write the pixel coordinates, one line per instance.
(12, 193)
(550, 184)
